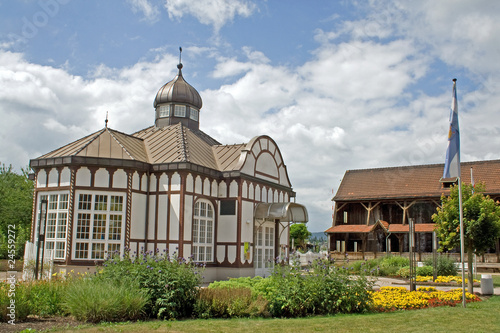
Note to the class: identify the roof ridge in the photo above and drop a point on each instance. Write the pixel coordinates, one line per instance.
(121, 145)
(418, 166)
(183, 144)
(98, 134)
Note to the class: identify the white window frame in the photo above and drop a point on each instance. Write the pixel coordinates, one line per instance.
(98, 237)
(56, 224)
(203, 231)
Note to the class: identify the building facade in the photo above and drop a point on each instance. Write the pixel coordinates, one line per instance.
(169, 187)
(373, 207)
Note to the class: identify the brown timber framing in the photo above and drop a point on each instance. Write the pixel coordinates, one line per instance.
(369, 210)
(405, 208)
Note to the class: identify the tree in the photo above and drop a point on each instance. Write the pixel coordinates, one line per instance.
(299, 234)
(16, 200)
(481, 220)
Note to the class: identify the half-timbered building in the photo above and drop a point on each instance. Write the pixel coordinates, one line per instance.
(169, 187)
(373, 207)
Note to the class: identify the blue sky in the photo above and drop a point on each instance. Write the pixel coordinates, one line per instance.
(338, 85)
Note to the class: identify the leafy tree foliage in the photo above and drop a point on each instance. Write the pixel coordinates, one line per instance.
(16, 200)
(299, 234)
(481, 220)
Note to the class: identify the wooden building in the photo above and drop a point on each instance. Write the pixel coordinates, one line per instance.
(169, 187)
(373, 207)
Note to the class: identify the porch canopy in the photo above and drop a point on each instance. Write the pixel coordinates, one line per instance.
(283, 211)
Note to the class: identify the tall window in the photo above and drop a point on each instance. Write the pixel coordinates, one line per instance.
(193, 114)
(56, 223)
(99, 226)
(203, 232)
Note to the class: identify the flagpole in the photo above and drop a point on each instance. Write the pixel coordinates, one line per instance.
(462, 240)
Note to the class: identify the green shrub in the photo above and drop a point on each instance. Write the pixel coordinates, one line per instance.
(20, 294)
(46, 297)
(371, 266)
(404, 272)
(229, 302)
(171, 283)
(445, 265)
(425, 271)
(95, 300)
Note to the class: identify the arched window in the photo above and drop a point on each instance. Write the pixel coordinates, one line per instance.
(203, 232)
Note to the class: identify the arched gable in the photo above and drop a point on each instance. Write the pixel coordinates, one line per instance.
(262, 158)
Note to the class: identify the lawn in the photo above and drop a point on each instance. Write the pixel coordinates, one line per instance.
(477, 317)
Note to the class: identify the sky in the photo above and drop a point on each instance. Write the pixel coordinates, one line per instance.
(339, 85)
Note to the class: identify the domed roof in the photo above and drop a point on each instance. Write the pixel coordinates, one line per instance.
(178, 91)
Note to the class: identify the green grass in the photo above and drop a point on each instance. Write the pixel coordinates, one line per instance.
(496, 280)
(477, 317)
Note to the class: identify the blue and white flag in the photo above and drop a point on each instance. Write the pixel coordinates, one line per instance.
(452, 163)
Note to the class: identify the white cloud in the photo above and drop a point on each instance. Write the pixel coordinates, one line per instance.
(150, 12)
(216, 13)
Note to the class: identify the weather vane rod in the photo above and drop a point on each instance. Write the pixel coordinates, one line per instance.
(180, 54)
(106, 121)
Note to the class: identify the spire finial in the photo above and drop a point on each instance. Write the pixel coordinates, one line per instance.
(106, 121)
(454, 80)
(180, 58)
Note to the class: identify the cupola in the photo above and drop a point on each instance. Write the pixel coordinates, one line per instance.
(178, 102)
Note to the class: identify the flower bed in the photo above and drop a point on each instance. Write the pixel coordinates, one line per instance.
(399, 298)
(445, 280)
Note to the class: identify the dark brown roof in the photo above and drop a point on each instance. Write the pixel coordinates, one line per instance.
(419, 181)
(388, 228)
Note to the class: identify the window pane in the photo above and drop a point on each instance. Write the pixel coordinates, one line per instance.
(97, 251)
(53, 201)
(63, 201)
(115, 227)
(61, 225)
(113, 249)
(101, 202)
(180, 111)
(116, 203)
(195, 230)
(202, 231)
(209, 232)
(193, 114)
(60, 249)
(99, 230)
(81, 250)
(164, 111)
(85, 201)
(50, 228)
(83, 226)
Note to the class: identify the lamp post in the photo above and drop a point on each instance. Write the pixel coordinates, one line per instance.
(41, 236)
(412, 253)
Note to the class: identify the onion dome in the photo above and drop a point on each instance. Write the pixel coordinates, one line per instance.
(177, 102)
(178, 91)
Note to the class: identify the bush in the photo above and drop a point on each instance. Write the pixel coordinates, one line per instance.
(95, 300)
(172, 283)
(325, 289)
(404, 272)
(229, 302)
(425, 270)
(445, 265)
(21, 297)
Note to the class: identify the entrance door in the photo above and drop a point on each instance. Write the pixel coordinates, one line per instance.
(264, 256)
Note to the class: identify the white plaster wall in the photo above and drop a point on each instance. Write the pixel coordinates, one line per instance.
(233, 189)
(247, 228)
(283, 176)
(174, 216)
(226, 229)
(138, 214)
(151, 222)
(173, 248)
(41, 180)
(222, 190)
(162, 217)
(186, 250)
(144, 183)
(101, 178)
(188, 217)
(65, 176)
(135, 181)
(198, 185)
(206, 187)
(251, 192)
(221, 253)
(189, 183)
(175, 184)
(264, 195)
(257, 193)
(151, 247)
(161, 247)
(214, 188)
(163, 187)
(249, 166)
(120, 179)
(231, 254)
(53, 177)
(83, 177)
(244, 190)
(152, 183)
(256, 149)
